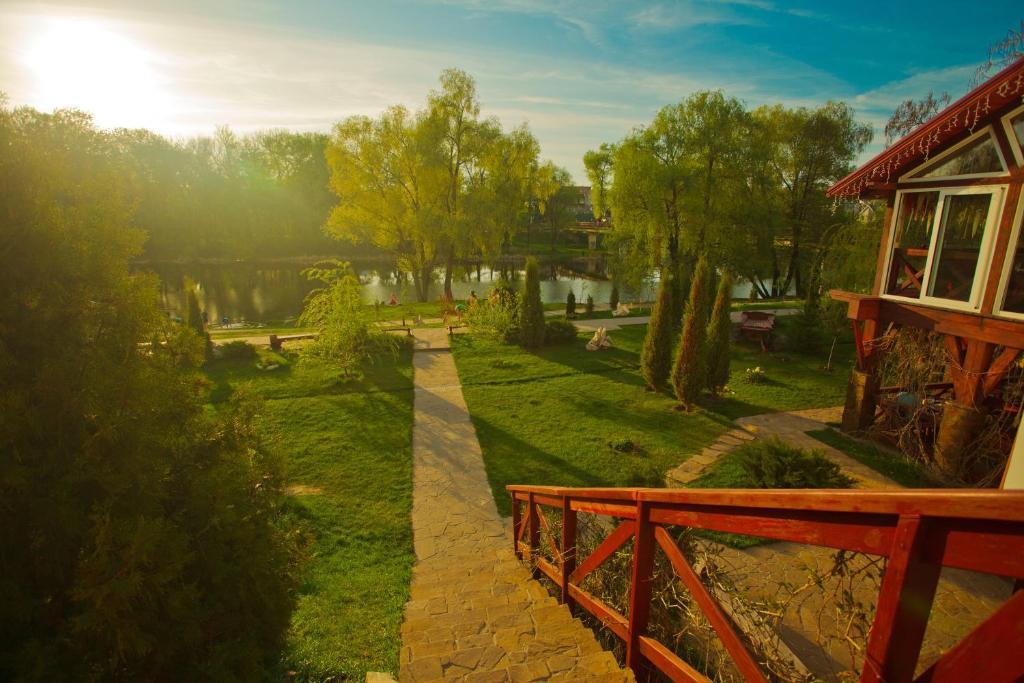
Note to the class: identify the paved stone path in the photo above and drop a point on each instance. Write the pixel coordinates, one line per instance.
(616, 323)
(475, 614)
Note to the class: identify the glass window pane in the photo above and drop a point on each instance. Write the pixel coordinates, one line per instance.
(910, 246)
(959, 247)
(978, 157)
(1017, 123)
(1014, 298)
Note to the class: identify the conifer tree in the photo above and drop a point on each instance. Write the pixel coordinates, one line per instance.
(656, 355)
(531, 334)
(613, 300)
(570, 305)
(720, 336)
(689, 374)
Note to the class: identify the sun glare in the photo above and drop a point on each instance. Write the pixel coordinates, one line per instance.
(86, 65)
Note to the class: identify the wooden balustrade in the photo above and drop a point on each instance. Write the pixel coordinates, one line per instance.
(918, 531)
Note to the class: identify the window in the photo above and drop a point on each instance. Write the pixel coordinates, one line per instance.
(1012, 300)
(978, 157)
(1017, 124)
(913, 236)
(941, 243)
(958, 247)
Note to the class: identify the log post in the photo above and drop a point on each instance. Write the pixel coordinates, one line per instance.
(958, 428)
(861, 401)
(534, 535)
(640, 586)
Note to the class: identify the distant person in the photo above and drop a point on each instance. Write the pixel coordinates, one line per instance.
(206, 317)
(225, 320)
(393, 301)
(471, 301)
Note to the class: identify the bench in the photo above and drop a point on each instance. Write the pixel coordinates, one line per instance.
(277, 341)
(455, 326)
(757, 326)
(398, 328)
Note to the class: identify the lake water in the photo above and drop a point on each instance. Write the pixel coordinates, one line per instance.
(261, 292)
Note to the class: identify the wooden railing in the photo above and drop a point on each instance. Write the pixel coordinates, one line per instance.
(919, 532)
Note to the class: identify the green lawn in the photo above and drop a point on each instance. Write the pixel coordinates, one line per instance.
(549, 417)
(900, 470)
(348, 446)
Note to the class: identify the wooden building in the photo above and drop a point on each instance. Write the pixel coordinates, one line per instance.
(952, 254)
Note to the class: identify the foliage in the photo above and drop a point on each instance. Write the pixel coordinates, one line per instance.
(497, 317)
(345, 332)
(613, 299)
(590, 305)
(772, 463)
(755, 375)
(531, 316)
(559, 332)
(689, 372)
(1001, 54)
(570, 305)
(910, 114)
(656, 357)
(129, 566)
(194, 315)
(237, 350)
(720, 337)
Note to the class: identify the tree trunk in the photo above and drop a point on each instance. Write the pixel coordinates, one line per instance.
(448, 268)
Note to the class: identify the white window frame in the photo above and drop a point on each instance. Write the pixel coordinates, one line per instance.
(983, 265)
(937, 161)
(1011, 250)
(1012, 137)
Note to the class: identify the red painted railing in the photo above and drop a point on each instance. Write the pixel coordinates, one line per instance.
(918, 531)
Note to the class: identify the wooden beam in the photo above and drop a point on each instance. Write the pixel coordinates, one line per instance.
(712, 612)
(991, 652)
(997, 371)
(602, 552)
(887, 228)
(640, 585)
(568, 551)
(904, 603)
(669, 662)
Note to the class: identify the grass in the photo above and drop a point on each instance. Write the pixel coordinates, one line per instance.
(903, 472)
(548, 417)
(760, 304)
(348, 444)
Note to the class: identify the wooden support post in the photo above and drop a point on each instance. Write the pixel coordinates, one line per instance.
(904, 602)
(534, 535)
(517, 520)
(861, 401)
(568, 550)
(640, 587)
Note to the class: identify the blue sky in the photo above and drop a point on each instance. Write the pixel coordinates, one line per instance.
(580, 73)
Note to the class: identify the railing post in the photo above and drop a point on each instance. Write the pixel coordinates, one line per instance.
(640, 585)
(904, 602)
(534, 535)
(568, 549)
(517, 523)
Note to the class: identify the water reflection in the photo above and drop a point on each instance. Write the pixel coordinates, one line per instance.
(275, 291)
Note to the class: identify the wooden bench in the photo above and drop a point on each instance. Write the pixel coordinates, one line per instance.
(757, 326)
(277, 341)
(455, 326)
(398, 328)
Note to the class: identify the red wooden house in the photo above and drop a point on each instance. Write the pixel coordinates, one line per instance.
(952, 253)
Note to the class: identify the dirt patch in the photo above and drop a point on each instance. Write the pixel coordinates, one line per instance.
(303, 490)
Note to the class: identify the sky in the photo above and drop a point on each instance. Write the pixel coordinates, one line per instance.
(578, 72)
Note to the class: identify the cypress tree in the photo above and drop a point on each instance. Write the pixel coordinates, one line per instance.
(720, 336)
(689, 374)
(656, 355)
(570, 305)
(531, 334)
(613, 300)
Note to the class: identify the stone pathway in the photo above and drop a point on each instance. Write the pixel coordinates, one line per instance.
(475, 614)
(616, 323)
(792, 427)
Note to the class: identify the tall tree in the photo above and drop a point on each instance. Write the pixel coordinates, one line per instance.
(910, 114)
(689, 372)
(719, 340)
(531, 318)
(656, 355)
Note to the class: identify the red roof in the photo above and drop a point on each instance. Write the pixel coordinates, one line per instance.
(914, 148)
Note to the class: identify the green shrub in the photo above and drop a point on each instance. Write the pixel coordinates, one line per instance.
(720, 337)
(689, 374)
(531, 317)
(613, 300)
(590, 304)
(570, 305)
(559, 332)
(755, 375)
(237, 350)
(656, 355)
(497, 318)
(774, 464)
(806, 334)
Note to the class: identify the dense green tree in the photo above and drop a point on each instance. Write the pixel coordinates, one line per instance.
(142, 537)
(570, 305)
(689, 372)
(531, 318)
(719, 341)
(656, 354)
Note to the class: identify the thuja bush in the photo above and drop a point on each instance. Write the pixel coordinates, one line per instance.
(656, 355)
(720, 337)
(689, 374)
(143, 538)
(774, 464)
(559, 332)
(613, 300)
(531, 317)
(590, 304)
(570, 305)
